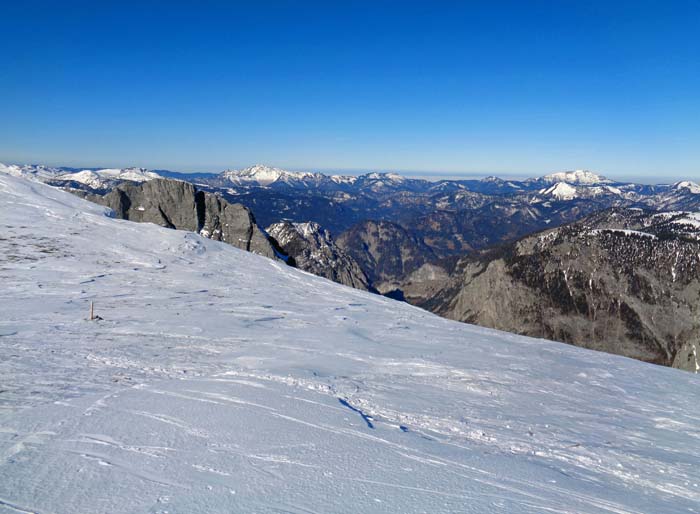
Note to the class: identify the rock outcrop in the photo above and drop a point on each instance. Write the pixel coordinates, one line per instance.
(179, 205)
(314, 250)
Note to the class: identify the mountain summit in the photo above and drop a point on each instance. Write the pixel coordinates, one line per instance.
(579, 177)
(266, 175)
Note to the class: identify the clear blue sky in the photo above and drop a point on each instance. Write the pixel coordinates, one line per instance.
(521, 87)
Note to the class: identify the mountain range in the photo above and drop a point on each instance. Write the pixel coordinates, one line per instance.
(460, 248)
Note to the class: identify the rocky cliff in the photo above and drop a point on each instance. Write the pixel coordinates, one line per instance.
(179, 205)
(314, 250)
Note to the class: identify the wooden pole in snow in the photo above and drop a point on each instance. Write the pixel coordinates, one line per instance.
(92, 311)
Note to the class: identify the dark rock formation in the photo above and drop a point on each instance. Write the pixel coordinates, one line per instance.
(179, 205)
(314, 250)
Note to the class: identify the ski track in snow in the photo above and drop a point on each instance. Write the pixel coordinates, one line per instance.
(220, 381)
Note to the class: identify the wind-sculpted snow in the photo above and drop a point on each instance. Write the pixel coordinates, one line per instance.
(221, 381)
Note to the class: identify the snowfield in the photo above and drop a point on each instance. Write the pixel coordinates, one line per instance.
(221, 381)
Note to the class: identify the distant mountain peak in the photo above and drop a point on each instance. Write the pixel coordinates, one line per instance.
(579, 177)
(394, 177)
(691, 187)
(265, 175)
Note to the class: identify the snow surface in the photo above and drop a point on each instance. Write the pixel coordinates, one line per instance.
(221, 381)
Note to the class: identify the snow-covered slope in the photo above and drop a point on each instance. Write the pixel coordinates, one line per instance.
(39, 172)
(221, 381)
(560, 191)
(93, 179)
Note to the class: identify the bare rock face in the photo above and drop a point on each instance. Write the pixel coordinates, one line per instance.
(623, 281)
(168, 203)
(232, 223)
(179, 205)
(314, 250)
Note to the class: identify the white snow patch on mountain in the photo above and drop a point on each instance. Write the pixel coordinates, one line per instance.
(221, 381)
(624, 232)
(560, 191)
(689, 219)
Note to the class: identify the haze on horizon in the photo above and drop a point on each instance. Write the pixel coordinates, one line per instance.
(509, 88)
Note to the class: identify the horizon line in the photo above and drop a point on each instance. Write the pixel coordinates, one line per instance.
(430, 175)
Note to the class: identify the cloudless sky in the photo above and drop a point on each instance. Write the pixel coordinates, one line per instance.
(493, 87)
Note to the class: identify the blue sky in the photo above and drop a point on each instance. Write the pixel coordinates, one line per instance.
(492, 87)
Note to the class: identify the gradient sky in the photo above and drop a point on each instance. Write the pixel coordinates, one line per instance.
(493, 87)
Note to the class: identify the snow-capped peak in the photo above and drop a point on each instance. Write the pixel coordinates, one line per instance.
(560, 191)
(389, 177)
(692, 187)
(582, 177)
(344, 179)
(265, 175)
(87, 177)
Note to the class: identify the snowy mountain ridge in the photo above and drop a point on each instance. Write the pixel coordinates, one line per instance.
(256, 387)
(93, 178)
(583, 177)
(692, 187)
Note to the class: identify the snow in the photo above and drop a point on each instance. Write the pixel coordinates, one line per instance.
(604, 190)
(624, 232)
(87, 177)
(221, 381)
(344, 179)
(689, 219)
(30, 170)
(94, 179)
(560, 191)
(265, 175)
(583, 177)
(392, 178)
(689, 186)
(130, 174)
